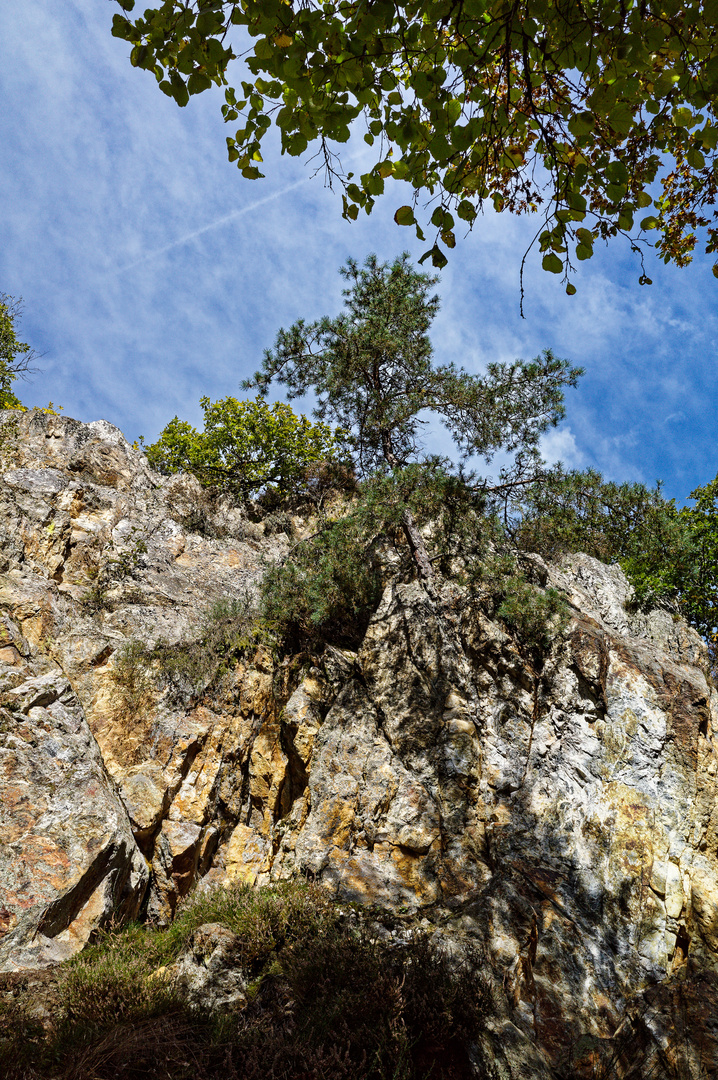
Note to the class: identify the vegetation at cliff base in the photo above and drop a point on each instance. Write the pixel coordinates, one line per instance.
(326, 997)
(599, 117)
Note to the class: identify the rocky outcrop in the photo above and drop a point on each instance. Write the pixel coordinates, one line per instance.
(208, 974)
(565, 816)
(68, 861)
(559, 811)
(102, 789)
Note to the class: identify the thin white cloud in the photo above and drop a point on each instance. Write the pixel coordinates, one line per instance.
(153, 273)
(216, 224)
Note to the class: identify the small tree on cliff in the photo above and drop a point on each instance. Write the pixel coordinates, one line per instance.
(371, 370)
(16, 357)
(245, 446)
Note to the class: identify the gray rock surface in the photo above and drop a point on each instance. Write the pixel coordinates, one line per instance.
(207, 974)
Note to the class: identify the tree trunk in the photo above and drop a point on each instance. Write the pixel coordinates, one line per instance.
(418, 549)
(412, 534)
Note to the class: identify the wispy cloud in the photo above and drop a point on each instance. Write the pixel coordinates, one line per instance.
(153, 273)
(225, 219)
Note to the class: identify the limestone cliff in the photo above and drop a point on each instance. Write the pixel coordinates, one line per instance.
(561, 813)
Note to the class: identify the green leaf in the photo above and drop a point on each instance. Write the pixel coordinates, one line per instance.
(576, 201)
(583, 252)
(570, 289)
(709, 135)
(695, 158)
(621, 119)
(683, 117)
(552, 263)
(617, 173)
(616, 192)
(263, 50)
(404, 216)
(121, 27)
(650, 222)
(453, 111)
(198, 82)
(138, 56)
(436, 255)
(581, 124)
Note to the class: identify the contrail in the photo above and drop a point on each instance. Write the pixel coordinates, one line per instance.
(212, 225)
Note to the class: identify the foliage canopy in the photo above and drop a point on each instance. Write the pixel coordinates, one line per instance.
(245, 446)
(699, 597)
(601, 116)
(371, 371)
(667, 553)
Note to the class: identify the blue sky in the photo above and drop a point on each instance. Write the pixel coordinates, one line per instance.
(153, 273)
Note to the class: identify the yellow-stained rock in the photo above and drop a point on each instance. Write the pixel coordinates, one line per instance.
(246, 856)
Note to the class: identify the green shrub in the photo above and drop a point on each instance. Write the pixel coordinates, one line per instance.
(115, 985)
(329, 585)
(112, 571)
(628, 523)
(229, 630)
(16, 357)
(132, 676)
(536, 616)
(22, 1038)
(400, 1012)
(264, 919)
(245, 447)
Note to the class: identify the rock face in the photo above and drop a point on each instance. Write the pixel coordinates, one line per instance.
(565, 816)
(562, 811)
(68, 860)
